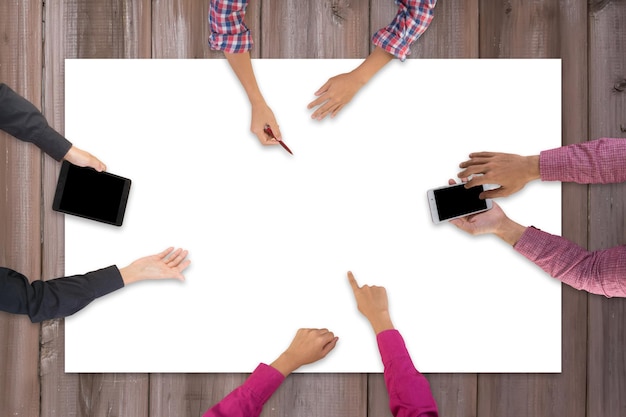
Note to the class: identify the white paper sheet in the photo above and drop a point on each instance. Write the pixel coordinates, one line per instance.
(271, 235)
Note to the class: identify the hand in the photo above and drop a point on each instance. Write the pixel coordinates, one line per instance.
(510, 171)
(262, 115)
(308, 346)
(490, 221)
(373, 304)
(335, 94)
(84, 159)
(168, 264)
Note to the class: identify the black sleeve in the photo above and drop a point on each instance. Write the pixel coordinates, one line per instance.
(20, 118)
(60, 297)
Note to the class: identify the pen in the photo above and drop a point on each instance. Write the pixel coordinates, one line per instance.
(268, 131)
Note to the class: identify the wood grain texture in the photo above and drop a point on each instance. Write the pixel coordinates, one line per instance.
(181, 29)
(59, 391)
(607, 333)
(306, 395)
(314, 29)
(189, 395)
(107, 29)
(546, 29)
(20, 249)
(453, 33)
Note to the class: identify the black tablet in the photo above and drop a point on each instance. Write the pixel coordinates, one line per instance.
(85, 192)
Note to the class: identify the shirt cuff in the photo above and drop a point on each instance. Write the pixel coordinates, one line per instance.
(391, 345)
(391, 43)
(552, 164)
(233, 43)
(53, 143)
(264, 381)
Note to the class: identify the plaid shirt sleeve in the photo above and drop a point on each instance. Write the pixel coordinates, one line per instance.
(601, 161)
(598, 272)
(411, 21)
(229, 33)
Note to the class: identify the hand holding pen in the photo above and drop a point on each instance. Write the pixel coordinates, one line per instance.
(268, 131)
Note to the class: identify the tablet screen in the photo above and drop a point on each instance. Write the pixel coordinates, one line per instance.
(94, 195)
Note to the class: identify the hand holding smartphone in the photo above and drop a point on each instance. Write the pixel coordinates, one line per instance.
(454, 201)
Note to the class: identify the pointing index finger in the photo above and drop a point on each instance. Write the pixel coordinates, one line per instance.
(353, 282)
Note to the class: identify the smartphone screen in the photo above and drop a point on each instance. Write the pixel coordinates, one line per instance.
(458, 201)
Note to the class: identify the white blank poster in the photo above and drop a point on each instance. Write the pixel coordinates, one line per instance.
(271, 235)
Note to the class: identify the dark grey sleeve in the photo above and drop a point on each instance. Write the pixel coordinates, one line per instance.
(20, 118)
(60, 297)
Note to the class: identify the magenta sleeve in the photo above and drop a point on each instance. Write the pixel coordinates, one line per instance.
(248, 399)
(409, 391)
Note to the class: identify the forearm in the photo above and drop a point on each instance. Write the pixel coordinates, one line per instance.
(371, 65)
(599, 272)
(241, 65)
(509, 231)
(381, 322)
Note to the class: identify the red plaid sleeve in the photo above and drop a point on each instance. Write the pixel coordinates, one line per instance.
(601, 161)
(411, 21)
(229, 33)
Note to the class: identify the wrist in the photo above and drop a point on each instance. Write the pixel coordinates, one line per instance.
(381, 323)
(285, 364)
(533, 167)
(510, 231)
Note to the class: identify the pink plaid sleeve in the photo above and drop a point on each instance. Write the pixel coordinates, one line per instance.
(600, 272)
(249, 398)
(411, 21)
(601, 161)
(229, 33)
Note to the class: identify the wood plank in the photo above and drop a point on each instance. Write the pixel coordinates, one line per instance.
(314, 29)
(181, 28)
(20, 68)
(306, 395)
(83, 29)
(189, 395)
(453, 33)
(517, 29)
(607, 72)
(59, 391)
(111, 29)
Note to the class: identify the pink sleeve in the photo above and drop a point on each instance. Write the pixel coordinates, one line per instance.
(249, 398)
(599, 161)
(409, 391)
(600, 272)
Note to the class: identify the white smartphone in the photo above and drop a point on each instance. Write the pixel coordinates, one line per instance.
(454, 201)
